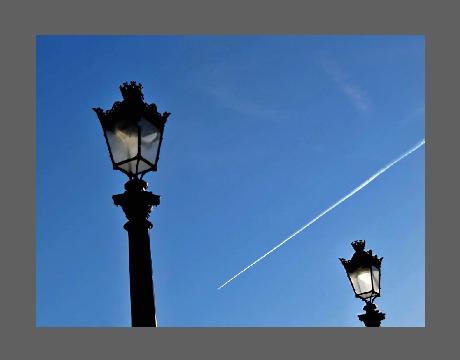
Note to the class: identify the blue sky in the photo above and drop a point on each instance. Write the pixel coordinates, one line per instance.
(265, 133)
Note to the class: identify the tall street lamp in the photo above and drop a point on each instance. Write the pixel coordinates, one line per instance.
(363, 271)
(133, 131)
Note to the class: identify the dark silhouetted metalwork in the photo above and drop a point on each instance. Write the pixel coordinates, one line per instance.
(133, 131)
(364, 272)
(137, 204)
(372, 317)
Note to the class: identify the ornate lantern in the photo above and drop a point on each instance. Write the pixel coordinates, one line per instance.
(133, 131)
(363, 271)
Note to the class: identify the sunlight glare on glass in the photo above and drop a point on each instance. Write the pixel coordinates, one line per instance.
(130, 140)
(364, 281)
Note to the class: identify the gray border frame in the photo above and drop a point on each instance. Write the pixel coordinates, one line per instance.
(21, 22)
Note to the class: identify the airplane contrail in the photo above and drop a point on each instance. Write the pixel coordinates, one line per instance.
(354, 191)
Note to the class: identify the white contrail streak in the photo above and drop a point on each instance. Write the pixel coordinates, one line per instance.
(364, 184)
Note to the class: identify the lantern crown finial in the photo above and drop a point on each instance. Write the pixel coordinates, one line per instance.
(132, 91)
(358, 245)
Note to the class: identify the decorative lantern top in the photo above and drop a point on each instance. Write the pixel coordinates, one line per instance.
(361, 258)
(131, 109)
(132, 91)
(358, 245)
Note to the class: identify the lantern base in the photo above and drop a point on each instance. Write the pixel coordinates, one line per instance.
(136, 202)
(372, 317)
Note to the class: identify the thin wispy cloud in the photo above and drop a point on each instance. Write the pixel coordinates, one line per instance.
(333, 206)
(417, 113)
(353, 92)
(214, 82)
(228, 98)
(414, 116)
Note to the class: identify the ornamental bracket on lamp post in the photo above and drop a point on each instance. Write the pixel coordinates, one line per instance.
(372, 317)
(136, 202)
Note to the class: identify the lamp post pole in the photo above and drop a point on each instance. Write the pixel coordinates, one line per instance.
(137, 204)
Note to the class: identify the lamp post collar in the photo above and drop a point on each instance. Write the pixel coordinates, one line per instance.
(136, 184)
(136, 203)
(372, 317)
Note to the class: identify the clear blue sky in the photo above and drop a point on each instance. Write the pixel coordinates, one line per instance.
(265, 133)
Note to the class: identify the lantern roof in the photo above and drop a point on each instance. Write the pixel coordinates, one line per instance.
(131, 109)
(361, 258)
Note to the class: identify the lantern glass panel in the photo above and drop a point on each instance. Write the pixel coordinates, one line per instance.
(143, 166)
(150, 142)
(129, 167)
(376, 279)
(123, 143)
(361, 280)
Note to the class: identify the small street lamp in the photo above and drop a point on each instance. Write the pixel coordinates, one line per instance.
(363, 271)
(133, 131)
